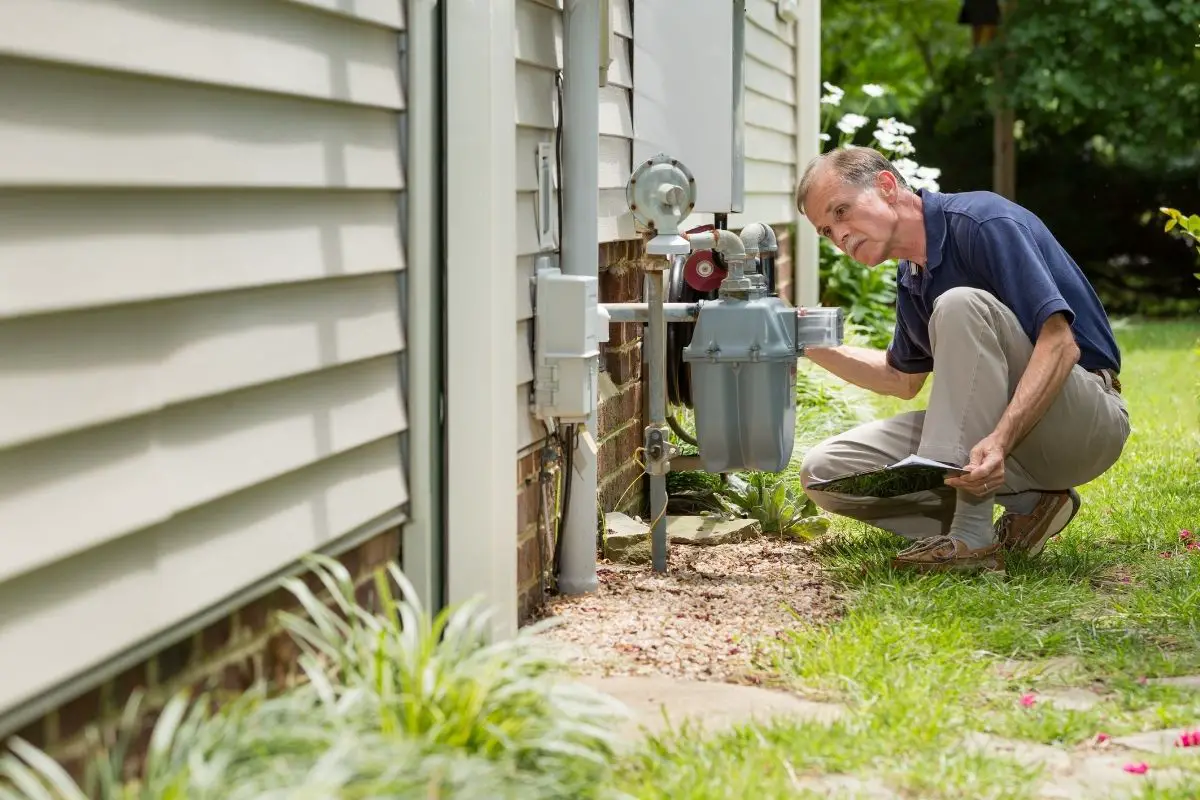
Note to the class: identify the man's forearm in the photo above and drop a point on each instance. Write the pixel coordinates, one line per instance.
(1048, 369)
(867, 368)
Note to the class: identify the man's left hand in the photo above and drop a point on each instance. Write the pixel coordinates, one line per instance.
(985, 469)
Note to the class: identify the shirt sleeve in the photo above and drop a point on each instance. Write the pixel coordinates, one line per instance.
(903, 353)
(1006, 253)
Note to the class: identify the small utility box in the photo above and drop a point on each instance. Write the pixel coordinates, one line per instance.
(688, 97)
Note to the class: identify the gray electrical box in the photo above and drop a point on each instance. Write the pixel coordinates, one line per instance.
(743, 370)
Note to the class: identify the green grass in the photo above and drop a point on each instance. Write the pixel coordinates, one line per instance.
(917, 658)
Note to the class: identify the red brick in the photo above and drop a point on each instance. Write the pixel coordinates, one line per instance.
(78, 714)
(35, 733)
(529, 560)
(619, 410)
(623, 489)
(379, 551)
(621, 334)
(214, 638)
(527, 467)
(240, 675)
(527, 506)
(281, 659)
(173, 661)
(624, 366)
(619, 449)
(124, 685)
(621, 285)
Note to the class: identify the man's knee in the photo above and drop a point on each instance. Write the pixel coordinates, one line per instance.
(961, 302)
(816, 464)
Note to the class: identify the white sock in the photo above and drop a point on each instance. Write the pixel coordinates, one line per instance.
(972, 523)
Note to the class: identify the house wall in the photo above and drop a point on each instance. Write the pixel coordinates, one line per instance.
(539, 55)
(201, 335)
(771, 147)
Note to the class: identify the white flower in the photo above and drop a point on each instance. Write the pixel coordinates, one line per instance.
(824, 137)
(873, 90)
(851, 122)
(926, 178)
(906, 167)
(835, 94)
(893, 127)
(929, 173)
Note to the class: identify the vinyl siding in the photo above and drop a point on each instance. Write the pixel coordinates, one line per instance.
(200, 329)
(539, 54)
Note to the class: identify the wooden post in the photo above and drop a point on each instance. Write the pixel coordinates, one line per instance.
(1004, 153)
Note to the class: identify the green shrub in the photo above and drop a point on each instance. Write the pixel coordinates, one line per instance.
(397, 705)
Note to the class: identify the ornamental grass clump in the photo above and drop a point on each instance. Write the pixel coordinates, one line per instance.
(397, 704)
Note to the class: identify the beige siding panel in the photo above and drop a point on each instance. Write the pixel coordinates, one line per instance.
(528, 140)
(537, 97)
(78, 128)
(275, 47)
(764, 14)
(529, 429)
(382, 12)
(768, 80)
(766, 145)
(527, 238)
(183, 458)
(616, 156)
(70, 250)
(616, 112)
(773, 209)
(622, 20)
(524, 357)
(129, 360)
(770, 49)
(767, 112)
(616, 221)
(525, 270)
(620, 71)
(80, 611)
(769, 177)
(539, 35)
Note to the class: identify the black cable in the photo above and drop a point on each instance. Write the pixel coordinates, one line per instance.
(680, 432)
(568, 466)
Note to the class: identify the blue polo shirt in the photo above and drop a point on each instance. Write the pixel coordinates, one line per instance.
(984, 241)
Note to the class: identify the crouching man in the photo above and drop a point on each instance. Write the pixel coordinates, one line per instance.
(1025, 394)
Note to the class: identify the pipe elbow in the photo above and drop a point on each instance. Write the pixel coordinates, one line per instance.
(755, 238)
(727, 243)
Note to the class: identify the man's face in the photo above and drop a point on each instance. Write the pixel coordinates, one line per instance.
(857, 219)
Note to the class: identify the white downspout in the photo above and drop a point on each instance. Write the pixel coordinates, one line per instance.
(580, 186)
(805, 259)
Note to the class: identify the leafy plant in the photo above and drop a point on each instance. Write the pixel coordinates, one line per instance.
(770, 499)
(397, 704)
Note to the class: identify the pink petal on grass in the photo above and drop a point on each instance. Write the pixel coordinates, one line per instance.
(1101, 738)
(1137, 768)
(1188, 739)
(1164, 555)
(1185, 534)
(1028, 700)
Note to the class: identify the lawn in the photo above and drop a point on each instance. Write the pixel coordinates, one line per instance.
(924, 662)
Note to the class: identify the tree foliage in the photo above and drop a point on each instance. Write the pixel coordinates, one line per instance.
(1121, 77)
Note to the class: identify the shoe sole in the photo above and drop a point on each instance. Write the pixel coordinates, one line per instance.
(1058, 524)
(992, 564)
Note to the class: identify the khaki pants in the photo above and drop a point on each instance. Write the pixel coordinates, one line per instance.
(980, 352)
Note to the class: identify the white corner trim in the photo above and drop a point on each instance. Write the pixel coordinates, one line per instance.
(805, 259)
(481, 368)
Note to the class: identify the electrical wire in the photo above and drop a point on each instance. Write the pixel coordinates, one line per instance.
(568, 467)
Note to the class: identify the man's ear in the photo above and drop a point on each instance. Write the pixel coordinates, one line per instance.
(888, 187)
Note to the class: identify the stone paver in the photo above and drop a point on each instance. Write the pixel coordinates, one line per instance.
(710, 706)
(1162, 741)
(1184, 681)
(1072, 699)
(710, 530)
(1028, 753)
(846, 787)
(1062, 669)
(1104, 776)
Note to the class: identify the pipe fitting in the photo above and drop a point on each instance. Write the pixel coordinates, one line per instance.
(758, 237)
(725, 242)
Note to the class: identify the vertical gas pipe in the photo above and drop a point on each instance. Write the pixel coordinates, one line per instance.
(580, 256)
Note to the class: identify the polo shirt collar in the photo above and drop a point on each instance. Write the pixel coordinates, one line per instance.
(933, 209)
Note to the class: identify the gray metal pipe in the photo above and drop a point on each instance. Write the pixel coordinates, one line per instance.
(656, 334)
(640, 312)
(580, 256)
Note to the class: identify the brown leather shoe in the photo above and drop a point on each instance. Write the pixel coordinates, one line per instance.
(1028, 533)
(944, 554)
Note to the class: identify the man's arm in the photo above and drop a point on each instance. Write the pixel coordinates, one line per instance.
(1054, 354)
(867, 368)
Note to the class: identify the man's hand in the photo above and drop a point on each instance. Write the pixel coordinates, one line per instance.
(985, 468)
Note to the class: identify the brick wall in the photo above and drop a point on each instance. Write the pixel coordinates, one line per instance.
(620, 426)
(784, 270)
(225, 658)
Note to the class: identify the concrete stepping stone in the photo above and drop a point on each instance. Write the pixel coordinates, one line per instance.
(1104, 776)
(846, 787)
(1030, 754)
(1162, 741)
(1064, 669)
(1070, 698)
(1183, 681)
(707, 705)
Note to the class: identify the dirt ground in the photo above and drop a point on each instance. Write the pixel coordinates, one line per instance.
(707, 618)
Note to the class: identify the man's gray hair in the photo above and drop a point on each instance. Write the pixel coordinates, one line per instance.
(856, 166)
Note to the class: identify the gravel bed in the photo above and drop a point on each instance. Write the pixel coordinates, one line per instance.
(705, 619)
